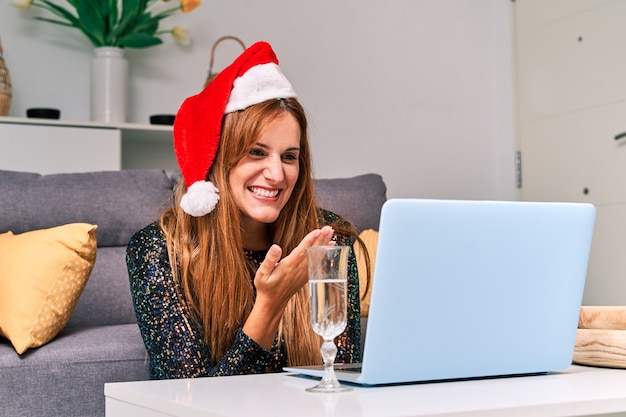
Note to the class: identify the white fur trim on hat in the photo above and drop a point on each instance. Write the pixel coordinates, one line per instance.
(259, 83)
(200, 198)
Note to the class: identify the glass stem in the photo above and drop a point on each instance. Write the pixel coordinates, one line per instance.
(329, 352)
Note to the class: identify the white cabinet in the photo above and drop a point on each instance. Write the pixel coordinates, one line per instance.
(571, 68)
(54, 146)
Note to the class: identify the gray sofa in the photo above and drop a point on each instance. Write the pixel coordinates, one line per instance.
(101, 342)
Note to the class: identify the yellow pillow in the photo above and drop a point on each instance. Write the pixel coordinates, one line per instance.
(43, 273)
(370, 239)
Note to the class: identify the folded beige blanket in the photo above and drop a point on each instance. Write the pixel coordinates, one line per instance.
(601, 337)
(602, 317)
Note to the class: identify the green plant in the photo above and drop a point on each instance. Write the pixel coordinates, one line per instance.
(120, 23)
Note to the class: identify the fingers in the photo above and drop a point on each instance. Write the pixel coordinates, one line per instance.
(270, 261)
(269, 266)
(326, 236)
(318, 237)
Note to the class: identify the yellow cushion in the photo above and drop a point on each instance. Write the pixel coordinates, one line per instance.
(370, 239)
(43, 273)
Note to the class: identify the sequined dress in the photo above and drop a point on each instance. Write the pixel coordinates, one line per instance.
(175, 342)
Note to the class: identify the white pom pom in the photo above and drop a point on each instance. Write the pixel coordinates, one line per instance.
(200, 198)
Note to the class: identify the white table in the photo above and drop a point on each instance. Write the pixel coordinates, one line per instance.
(577, 391)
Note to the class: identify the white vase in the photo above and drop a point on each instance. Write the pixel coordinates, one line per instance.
(109, 85)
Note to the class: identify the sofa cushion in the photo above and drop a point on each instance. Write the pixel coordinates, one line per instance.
(67, 376)
(43, 274)
(358, 199)
(119, 202)
(106, 298)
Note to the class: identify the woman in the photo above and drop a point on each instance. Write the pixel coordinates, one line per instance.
(219, 282)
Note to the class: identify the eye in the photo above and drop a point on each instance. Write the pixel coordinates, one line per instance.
(290, 157)
(257, 152)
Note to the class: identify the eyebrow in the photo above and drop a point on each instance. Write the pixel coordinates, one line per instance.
(264, 146)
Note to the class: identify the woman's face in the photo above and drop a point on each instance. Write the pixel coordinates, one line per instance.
(262, 182)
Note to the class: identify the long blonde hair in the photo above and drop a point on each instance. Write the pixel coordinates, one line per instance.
(206, 252)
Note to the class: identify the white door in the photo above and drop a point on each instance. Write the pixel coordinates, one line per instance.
(571, 69)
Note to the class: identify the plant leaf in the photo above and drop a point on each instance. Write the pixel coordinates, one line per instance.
(123, 23)
(130, 10)
(139, 40)
(91, 20)
(145, 24)
(60, 12)
(56, 22)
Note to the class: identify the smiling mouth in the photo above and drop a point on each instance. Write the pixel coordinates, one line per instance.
(262, 192)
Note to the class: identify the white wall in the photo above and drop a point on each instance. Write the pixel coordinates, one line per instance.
(419, 91)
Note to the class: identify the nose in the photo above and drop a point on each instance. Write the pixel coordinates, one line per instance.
(273, 170)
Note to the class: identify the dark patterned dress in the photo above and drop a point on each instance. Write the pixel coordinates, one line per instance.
(175, 341)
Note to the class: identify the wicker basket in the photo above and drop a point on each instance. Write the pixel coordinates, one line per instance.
(212, 74)
(5, 86)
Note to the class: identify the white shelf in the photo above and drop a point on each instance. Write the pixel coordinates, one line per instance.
(56, 146)
(130, 131)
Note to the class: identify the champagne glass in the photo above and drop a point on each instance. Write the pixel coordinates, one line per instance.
(328, 287)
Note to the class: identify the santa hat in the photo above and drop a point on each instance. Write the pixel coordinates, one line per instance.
(251, 79)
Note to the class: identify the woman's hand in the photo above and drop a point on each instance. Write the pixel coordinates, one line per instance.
(280, 280)
(276, 281)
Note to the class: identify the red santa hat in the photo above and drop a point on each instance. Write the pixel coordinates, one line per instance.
(252, 78)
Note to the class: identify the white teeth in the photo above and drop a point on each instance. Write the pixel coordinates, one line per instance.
(263, 192)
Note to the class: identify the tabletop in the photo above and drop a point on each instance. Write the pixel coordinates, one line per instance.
(576, 391)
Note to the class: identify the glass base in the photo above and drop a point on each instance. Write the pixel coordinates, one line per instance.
(326, 387)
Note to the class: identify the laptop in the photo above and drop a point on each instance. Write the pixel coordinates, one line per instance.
(472, 289)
